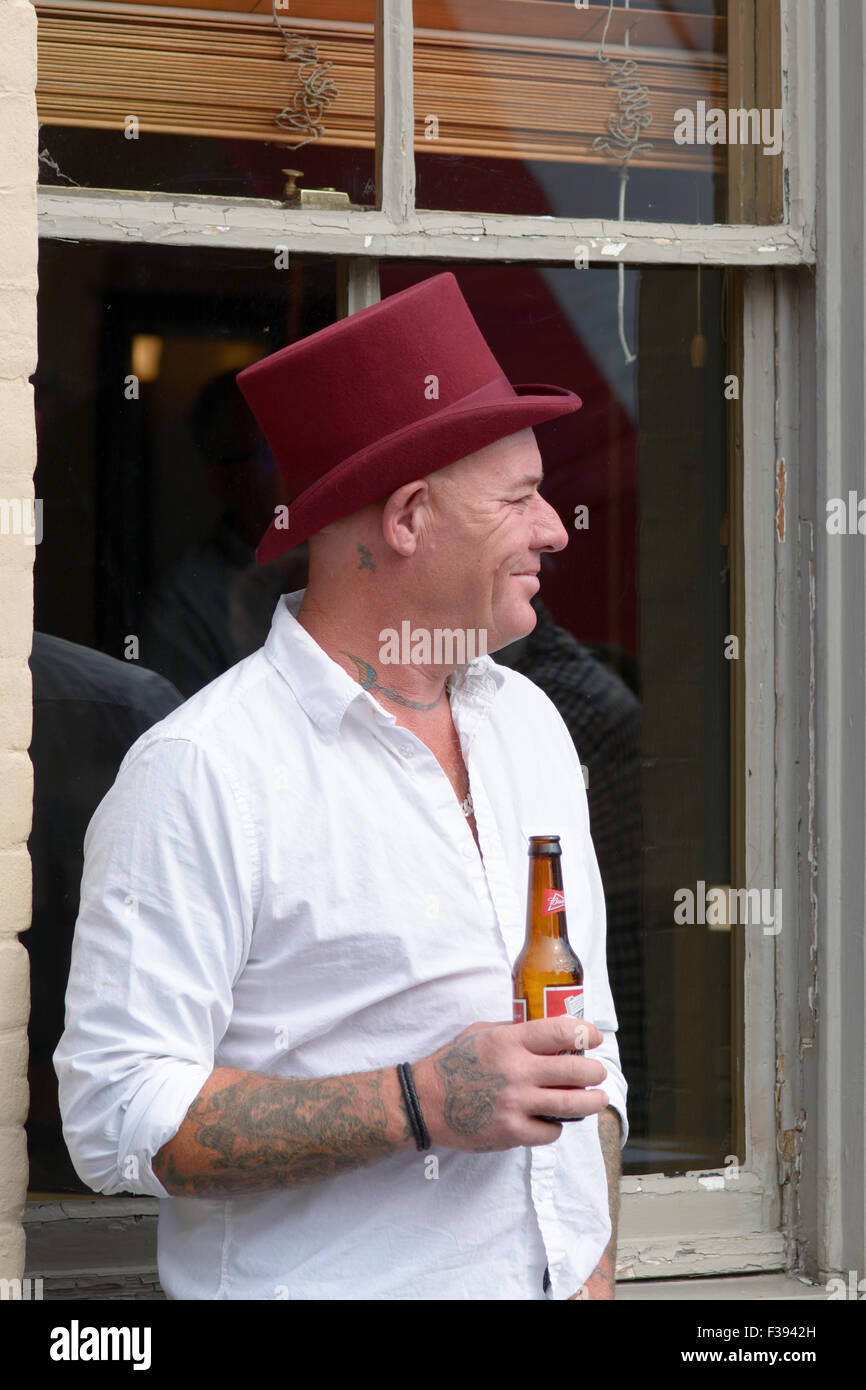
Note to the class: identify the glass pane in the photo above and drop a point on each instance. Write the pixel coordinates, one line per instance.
(629, 646)
(616, 109)
(155, 487)
(222, 102)
(152, 502)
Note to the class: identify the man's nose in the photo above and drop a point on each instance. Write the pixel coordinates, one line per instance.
(550, 533)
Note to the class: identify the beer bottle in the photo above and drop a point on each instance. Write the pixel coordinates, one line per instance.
(548, 975)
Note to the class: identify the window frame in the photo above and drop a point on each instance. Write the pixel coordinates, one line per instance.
(711, 1222)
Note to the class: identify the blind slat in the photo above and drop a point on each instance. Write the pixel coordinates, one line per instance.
(230, 78)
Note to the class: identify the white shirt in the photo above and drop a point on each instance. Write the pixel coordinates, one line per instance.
(281, 880)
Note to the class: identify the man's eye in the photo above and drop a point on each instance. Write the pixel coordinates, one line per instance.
(528, 498)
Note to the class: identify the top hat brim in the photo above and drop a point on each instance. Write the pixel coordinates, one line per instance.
(415, 451)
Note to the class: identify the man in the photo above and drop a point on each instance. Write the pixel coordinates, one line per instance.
(314, 872)
(88, 710)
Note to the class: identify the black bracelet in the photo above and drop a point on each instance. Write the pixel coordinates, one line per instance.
(413, 1107)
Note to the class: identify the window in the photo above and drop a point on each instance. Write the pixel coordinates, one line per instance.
(663, 331)
(164, 99)
(583, 100)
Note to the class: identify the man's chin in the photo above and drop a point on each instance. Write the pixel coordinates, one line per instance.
(520, 627)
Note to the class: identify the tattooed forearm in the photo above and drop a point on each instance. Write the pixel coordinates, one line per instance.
(248, 1133)
(470, 1089)
(610, 1135)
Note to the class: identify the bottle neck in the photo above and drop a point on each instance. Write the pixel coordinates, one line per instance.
(545, 880)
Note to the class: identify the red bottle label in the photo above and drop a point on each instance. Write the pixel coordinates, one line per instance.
(519, 1006)
(553, 901)
(563, 999)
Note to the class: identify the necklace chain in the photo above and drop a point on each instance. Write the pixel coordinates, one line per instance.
(466, 805)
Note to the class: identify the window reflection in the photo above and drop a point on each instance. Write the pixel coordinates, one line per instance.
(629, 645)
(220, 100)
(146, 589)
(214, 605)
(157, 485)
(548, 108)
(88, 709)
(602, 712)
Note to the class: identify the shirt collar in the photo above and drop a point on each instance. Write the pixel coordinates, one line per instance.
(325, 691)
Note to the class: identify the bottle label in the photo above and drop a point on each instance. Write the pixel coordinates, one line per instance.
(519, 1006)
(553, 901)
(563, 999)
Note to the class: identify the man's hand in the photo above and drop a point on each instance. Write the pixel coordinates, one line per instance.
(486, 1089)
(482, 1091)
(601, 1284)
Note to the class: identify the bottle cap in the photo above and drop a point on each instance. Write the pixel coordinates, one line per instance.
(544, 844)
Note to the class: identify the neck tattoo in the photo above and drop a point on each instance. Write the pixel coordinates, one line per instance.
(367, 676)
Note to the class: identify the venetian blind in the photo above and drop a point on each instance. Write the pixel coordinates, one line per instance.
(507, 78)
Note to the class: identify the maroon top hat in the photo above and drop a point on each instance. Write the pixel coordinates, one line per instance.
(389, 394)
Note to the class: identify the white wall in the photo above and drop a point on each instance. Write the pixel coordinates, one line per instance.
(18, 172)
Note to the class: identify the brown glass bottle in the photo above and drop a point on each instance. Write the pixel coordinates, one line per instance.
(548, 975)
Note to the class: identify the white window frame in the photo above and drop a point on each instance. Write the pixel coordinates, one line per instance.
(700, 1223)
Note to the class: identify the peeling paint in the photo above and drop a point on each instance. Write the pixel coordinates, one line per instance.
(245, 222)
(720, 1255)
(780, 500)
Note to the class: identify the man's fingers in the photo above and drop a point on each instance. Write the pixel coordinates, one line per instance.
(542, 1132)
(551, 1035)
(568, 1071)
(569, 1105)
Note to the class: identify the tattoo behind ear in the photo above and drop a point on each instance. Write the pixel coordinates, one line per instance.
(366, 558)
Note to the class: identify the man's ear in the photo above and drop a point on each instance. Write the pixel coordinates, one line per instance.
(403, 515)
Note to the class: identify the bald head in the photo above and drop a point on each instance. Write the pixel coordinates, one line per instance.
(458, 548)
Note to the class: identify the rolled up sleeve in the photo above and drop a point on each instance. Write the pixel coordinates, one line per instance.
(163, 931)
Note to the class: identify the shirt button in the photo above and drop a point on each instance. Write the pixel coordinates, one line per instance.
(407, 750)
